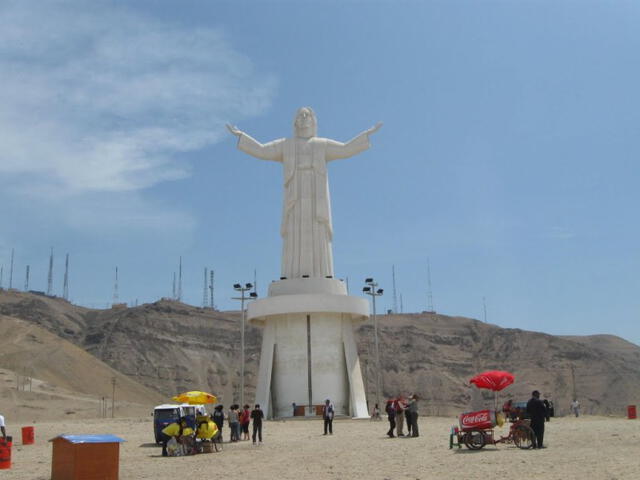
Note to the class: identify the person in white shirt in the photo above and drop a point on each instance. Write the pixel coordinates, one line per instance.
(4, 433)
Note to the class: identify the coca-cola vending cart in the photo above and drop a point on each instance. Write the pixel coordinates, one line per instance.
(477, 430)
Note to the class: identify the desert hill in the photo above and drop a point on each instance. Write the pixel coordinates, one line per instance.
(169, 347)
(42, 373)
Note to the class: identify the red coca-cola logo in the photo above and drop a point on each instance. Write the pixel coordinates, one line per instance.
(474, 418)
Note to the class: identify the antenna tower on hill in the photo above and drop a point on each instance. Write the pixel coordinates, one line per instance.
(26, 280)
(213, 305)
(204, 290)
(395, 296)
(180, 280)
(11, 271)
(65, 289)
(50, 276)
(430, 308)
(116, 297)
(484, 308)
(173, 292)
(401, 305)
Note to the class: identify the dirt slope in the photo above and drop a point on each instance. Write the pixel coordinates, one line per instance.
(172, 347)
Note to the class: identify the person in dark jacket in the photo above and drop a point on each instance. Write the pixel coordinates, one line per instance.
(391, 415)
(218, 419)
(327, 415)
(257, 415)
(537, 412)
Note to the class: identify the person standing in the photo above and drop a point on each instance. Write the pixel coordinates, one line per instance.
(245, 418)
(575, 407)
(413, 414)
(257, 415)
(391, 416)
(400, 407)
(233, 420)
(537, 412)
(4, 432)
(547, 409)
(327, 415)
(218, 418)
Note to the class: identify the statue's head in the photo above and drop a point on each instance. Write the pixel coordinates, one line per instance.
(305, 124)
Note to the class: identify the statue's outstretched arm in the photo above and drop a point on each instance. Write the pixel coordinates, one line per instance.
(360, 143)
(267, 151)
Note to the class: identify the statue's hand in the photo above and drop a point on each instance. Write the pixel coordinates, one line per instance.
(375, 128)
(234, 130)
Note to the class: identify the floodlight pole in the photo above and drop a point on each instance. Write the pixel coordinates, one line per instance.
(371, 290)
(239, 288)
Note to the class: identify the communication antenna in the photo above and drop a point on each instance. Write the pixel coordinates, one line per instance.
(65, 290)
(255, 281)
(204, 290)
(484, 308)
(50, 277)
(173, 294)
(430, 308)
(180, 280)
(395, 296)
(11, 271)
(26, 280)
(401, 306)
(213, 305)
(116, 297)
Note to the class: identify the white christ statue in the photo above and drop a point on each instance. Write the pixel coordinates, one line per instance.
(306, 213)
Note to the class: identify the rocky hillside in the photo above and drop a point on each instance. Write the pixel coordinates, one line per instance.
(170, 347)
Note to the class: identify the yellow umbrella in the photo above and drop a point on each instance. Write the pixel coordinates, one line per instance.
(195, 398)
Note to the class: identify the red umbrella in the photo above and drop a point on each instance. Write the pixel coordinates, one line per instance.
(494, 380)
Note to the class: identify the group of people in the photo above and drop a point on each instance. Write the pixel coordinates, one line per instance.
(398, 411)
(178, 438)
(239, 420)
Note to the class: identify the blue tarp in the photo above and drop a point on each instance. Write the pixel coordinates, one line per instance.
(105, 438)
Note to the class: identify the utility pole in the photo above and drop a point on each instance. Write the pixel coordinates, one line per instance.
(113, 396)
(50, 276)
(430, 308)
(213, 305)
(204, 289)
(395, 296)
(116, 296)
(11, 271)
(370, 289)
(180, 280)
(65, 288)
(173, 294)
(26, 280)
(484, 308)
(252, 296)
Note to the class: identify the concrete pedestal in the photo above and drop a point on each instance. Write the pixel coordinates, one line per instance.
(308, 349)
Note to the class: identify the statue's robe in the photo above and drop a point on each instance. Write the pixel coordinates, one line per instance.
(306, 213)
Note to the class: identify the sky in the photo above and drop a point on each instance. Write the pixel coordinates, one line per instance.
(508, 160)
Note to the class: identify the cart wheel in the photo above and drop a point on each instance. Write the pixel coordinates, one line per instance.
(523, 436)
(474, 440)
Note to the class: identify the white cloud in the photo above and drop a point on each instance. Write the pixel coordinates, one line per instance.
(99, 99)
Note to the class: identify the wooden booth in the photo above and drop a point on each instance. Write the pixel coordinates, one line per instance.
(85, 457)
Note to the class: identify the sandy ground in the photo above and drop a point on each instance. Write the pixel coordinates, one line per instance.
(577, 448)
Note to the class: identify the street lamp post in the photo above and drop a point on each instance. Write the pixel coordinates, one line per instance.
(370, 289)
(252, 295)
